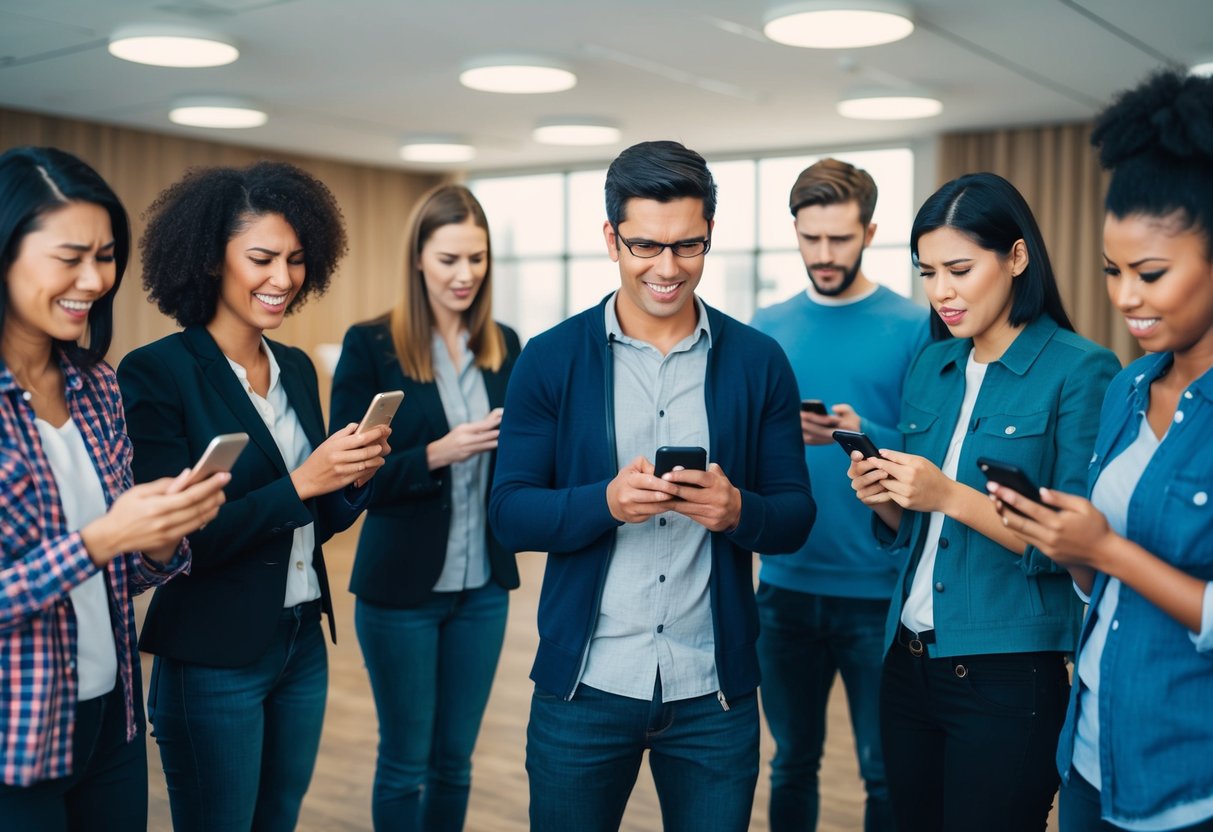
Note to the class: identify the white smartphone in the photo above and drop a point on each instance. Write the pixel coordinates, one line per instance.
(220, 455)
(381, 410)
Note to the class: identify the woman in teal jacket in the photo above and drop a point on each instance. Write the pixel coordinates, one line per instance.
(975, 684)
(1135, 751)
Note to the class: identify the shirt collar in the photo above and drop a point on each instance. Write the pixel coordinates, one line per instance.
(72, 380)
(242, 373)
(702, 329)
(1155, 365)
(1020, 355)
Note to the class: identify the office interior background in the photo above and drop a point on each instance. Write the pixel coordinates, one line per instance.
(349, 89)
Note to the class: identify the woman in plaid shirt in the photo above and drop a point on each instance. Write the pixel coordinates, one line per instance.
(76, 539)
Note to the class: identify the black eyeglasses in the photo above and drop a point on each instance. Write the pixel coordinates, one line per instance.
(647, 249)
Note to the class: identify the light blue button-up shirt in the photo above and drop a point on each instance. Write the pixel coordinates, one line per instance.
(656, 614)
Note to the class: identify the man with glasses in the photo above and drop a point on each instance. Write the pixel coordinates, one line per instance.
(823, 608)
(647, 620)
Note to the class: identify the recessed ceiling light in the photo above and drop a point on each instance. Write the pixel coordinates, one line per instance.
(437, 151)
(1204, 70)
(517, 75)
(839, 24)
(222, 113)
(581, 132)
(888, 106)
(171, 46)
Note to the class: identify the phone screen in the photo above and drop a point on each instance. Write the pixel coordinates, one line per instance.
(852, 440)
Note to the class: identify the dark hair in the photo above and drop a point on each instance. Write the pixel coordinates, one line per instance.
(663, 171)
(831, 182)
(1157, 139)
(37, 181)
(412, 320)
(989, 210)
(189, 225)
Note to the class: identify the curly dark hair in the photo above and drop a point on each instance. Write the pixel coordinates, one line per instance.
(1157, 139)
(191, 222)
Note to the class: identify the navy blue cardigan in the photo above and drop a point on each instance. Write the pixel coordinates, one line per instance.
(557, 455)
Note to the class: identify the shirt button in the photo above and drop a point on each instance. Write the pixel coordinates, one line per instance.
(299, 565)
(939, 586)
(1187, 394)
(661, 522)
(943, 543)
(660, 627)
(1179, 416)
(1116, 624)
(660, 412)
(1200, 498)
(913, 426)
(1010, 429)
(661, 579)
(27, 395)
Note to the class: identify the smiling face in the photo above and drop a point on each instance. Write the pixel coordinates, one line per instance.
(454, 262)
(655, 293)
(263, 270)
(970, 287)
(1160, 278)
(61, 268)
(832, 240)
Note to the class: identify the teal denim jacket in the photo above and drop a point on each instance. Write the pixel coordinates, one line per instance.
(1039, 409)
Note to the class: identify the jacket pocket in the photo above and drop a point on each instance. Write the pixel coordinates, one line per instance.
(1022, 439)
(1187, 522)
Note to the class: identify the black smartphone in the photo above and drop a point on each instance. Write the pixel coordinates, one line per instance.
(688, 456)
(853, 440)
(814, 406)
(1012, 476)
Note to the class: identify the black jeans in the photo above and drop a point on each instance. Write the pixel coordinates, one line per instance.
(1080, 809)
(107, 789)
(969, 741)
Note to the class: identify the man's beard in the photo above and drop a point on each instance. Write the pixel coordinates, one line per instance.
(848, 277)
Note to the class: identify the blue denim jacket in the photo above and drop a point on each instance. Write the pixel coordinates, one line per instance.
(1156, 734)
(1037, 409)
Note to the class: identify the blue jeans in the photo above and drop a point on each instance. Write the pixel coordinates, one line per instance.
(805, 641)
(1080, 809)
(239, 744)
(583, 755)
(431, 670)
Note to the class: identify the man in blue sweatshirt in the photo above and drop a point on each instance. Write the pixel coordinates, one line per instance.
(647, 621)
(823, 609)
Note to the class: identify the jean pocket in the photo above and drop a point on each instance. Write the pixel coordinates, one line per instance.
(1005, 688)
(545, 696)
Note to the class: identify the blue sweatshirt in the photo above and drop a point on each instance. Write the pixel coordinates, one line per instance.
(857, 354)
(556, 456)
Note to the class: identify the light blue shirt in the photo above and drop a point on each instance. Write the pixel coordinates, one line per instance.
(655, 614)
(464, 399)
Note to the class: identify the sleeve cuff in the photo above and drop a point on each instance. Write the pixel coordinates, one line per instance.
(1204, 639)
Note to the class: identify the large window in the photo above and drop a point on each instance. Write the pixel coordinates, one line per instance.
(550, 260)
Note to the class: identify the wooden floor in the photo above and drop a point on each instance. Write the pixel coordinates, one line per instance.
(340, 795)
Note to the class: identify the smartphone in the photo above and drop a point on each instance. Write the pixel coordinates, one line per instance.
(381, 410)
(1012, 476)
(220, 455)
(688, 456)
(853, 440)
(814, 406)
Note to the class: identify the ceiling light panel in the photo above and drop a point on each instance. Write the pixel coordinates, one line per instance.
(172, 47)
(518, 77)
(839, 24)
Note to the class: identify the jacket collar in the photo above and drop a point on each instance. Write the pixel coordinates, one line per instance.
(1154, 365)
(1019, 356)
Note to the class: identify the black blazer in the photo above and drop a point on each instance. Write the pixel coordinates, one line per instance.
(403, 543)
(178, 393)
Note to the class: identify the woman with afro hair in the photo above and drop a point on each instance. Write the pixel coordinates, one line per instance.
(238, 685)
(1136, 748)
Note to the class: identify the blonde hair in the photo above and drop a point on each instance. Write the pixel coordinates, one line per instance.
(411, 321)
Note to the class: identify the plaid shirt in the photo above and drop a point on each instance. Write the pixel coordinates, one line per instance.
(41, 561)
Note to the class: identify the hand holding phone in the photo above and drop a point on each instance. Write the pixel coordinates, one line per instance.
(815, 406)
(853, 440)
(220, 455)
(381, 410)
(670, 457)
(1012, 477)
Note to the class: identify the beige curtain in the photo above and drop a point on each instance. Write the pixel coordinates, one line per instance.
(138, 165)
(1057, 171)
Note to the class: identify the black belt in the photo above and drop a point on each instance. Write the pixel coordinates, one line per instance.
(305, 610)
(916, 643)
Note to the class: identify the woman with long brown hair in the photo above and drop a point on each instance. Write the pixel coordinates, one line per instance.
(431, 580)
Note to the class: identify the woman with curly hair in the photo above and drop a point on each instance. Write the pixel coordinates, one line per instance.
(1136, 748)
(76, 539)
(240, 676)
(431, 615)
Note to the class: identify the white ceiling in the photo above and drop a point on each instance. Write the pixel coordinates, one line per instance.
(348, 78)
